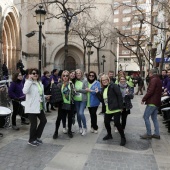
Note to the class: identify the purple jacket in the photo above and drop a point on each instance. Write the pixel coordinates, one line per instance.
(165, 82)
(45, 81)
(55, 78)
(15, 90)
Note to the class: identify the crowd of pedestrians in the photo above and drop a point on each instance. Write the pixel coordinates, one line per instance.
(70, 92)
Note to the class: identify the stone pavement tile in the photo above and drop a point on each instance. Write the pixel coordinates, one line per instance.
(163, 161)
(18, 155)
(67, 161)
(110, 160)
(132, 137)
(108, 147)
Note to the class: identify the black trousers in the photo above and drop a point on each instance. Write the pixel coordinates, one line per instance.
(107, 119)
(17, 110)
(93, 116)
(62, 114)
(124, 117)
(47, 105)
(36, 131)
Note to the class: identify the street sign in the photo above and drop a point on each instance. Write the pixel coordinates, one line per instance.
(166, 60)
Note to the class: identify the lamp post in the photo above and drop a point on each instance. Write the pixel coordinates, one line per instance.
(0, 59)
(40, 18)
(89, 53)
(103, 57)
(149, 45)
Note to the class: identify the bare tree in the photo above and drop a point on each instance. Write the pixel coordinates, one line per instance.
(161, 6)
(95, 33)
(67, 11)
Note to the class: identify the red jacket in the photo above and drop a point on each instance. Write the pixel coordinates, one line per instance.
(154, 91)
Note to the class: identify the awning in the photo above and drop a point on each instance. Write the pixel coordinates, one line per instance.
(132, 67)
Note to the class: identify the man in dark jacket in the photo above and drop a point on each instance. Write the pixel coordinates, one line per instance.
(153, 100)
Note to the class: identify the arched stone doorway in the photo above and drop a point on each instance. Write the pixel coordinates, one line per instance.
(70, 63)
(11, 39)
(73, 61)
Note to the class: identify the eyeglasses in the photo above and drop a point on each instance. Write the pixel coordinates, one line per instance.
(65, 75)
(33, 73)
(91, 75)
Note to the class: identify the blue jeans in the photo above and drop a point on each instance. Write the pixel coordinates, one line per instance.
(151, 111)
(80, 106)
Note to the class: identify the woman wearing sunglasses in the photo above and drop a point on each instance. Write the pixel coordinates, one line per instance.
(35, 106)
(80, 99)
(66, 88)
(92, 100)
(112, 98)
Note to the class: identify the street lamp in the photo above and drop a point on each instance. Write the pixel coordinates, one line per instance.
(40, 18)
(89, 52)
(149, 45)
(103, 57)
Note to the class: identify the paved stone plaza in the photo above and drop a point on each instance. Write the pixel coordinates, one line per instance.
(89, 152)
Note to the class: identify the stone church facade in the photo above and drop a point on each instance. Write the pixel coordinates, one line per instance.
(18, 19)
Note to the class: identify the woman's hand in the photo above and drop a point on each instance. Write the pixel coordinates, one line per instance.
(88, 90)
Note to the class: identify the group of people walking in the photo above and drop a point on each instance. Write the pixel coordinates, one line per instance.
(71, 92)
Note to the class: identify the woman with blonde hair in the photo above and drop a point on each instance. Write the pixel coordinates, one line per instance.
(80, 100)
(66, 88)
(112, 98)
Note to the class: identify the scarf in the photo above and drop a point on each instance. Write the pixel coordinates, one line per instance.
(123, 89)
(66, 91)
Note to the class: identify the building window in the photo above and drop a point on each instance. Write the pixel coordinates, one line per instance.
(126, 19)
(116, 20)
(126, 11)
(126, 60)
(125, 52)
(126, 27)
(116, 11)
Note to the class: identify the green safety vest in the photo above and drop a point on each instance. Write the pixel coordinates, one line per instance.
(88, 95)
(41, 93)
(129, 81)
(78, 86)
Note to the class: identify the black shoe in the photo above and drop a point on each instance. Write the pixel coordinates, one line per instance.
(39, 141)
(48, 111)
(70, 134)
(33, 143)
(123, 142)
(25, 123)
(108, 137)
(55, 136)
(53, 108)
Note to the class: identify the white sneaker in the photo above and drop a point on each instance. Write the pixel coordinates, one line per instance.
(84, 132)
(116, 130)
(81, 130)
(92, 130)
(64, 130)
(95, 131)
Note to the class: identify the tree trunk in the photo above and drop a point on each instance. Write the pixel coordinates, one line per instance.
(84, 59)
(98, 61)
(66, 44)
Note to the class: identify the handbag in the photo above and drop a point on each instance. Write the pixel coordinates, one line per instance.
(66, 106)
(56, 95)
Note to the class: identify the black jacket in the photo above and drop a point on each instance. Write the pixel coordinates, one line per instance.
(115, 100)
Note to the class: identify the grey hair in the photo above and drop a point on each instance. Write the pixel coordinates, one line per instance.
(153, 71)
